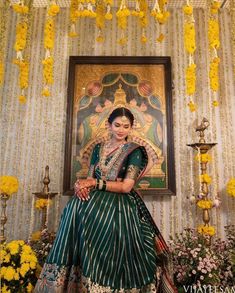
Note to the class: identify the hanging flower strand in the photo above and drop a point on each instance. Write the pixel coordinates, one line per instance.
(214, 44)
(49, 43)
(161, 15)
(190, 47)
(122, 14)
(20, 44)
(74, 15)
(141, 9)
(103, 13)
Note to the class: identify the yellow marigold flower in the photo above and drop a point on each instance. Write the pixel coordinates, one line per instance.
(13, 248)
(108, 16)
(36, 236)
(206, 230)
(17, 276)
(29, 288)
(192, 106)
(8, 184)
(160, 38)
(214, 74)
(230, 188)
(26, 249)
(215, 103)
(42, 203)
(3, 253)
(108, 2)
(33, 265)
(204, 158)
(144, 39)
(215, 5)
(46, 92)
(24, 269)
(49, 33)
(100, 39)
(188, 9)
(213, 33)
(73, 34)
(9, 273)
(19, 8)
(22, 99)
(190, 77)
(21, 36)
(7, 258)
(205, 204)
(122, 41)
(205, 178)
(53, 10)
(5, 289)
(189, 37)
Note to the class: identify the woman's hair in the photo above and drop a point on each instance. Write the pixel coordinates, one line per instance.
(119, 112)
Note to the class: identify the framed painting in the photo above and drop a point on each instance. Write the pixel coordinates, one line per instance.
(96, 86)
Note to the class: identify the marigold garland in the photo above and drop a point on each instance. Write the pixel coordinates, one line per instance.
(190, 47)
(48, 70)
(8, 185)
(21, 36)
(49, 33)
(214, 44)
(230, 188)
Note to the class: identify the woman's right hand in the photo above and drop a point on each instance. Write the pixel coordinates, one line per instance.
(82, 193)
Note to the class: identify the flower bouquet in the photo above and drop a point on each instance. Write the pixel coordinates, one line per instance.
(18, 270)
(195, 263)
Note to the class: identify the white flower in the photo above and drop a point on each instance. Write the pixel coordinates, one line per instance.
(194, 272)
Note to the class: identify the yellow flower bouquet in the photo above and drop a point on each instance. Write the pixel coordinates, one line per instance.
(8, 185)
(18, 267)
(206, 230)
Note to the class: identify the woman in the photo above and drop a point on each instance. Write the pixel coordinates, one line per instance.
(107, 240)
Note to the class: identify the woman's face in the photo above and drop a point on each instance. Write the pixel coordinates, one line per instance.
(120, 128)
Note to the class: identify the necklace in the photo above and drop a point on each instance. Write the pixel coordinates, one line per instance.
(103, 156)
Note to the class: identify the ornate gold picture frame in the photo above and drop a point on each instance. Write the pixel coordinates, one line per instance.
(96, 86)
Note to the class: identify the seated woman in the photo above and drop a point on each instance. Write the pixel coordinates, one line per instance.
(107, 240)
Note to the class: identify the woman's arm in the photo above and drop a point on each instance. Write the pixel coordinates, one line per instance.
(83, 186)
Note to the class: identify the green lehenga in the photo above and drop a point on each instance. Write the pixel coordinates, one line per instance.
(107, 244)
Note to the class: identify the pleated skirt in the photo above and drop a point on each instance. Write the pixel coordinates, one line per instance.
(102, 245)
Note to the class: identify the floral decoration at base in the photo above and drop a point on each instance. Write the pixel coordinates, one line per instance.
(18, 270)
(41, 242)
(196, 264)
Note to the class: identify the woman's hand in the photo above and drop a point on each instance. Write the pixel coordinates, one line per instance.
(82, 187)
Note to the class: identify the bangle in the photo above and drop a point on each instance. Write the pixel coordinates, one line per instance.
(97, 184)
(104, 185)
(101, 183)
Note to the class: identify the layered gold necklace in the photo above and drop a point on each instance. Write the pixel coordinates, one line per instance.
(103, 157)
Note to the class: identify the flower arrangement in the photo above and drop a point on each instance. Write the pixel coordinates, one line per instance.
(41, 242)
(214, 74)
(230, 188)
(42, 203)
(194, 263)
(8, 185)
(18, 267)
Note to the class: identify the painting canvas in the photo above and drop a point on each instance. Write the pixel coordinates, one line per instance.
(97, 85)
